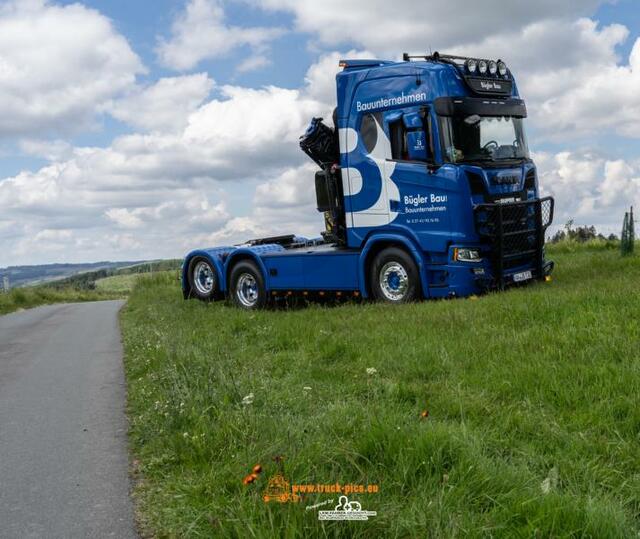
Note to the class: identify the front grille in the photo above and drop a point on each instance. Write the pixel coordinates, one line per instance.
(515, 231)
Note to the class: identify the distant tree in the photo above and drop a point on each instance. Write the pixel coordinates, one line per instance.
(627, 240)
(581, 234)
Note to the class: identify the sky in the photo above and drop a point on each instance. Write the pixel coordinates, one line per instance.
(139, 130)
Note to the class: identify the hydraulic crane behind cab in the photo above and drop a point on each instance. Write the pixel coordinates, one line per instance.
(427, 191)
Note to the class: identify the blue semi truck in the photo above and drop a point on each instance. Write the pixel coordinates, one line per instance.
(426, 186)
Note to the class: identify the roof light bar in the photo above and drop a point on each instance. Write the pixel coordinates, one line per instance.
(472, 65)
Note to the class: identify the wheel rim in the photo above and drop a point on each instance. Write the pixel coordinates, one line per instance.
(247, 290)
(203, 278)
(394, 281)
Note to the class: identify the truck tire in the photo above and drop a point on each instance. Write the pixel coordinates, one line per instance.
(203, 279)
(247, 289)
(394, 277)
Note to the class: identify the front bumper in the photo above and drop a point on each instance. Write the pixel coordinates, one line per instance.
(514, 233)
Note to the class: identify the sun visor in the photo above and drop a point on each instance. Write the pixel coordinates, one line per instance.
(465, 106)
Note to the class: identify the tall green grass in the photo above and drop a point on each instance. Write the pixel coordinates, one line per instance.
(27, 297)
(533, 398)
(123, 283)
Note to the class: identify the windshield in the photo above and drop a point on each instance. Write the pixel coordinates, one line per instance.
(483, 138)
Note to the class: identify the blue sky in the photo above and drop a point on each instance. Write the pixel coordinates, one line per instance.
(123, 131)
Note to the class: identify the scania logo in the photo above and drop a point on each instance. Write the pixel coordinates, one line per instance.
(506, 179)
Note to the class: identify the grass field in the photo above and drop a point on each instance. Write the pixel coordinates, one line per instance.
(118, 283)
(533, 401)
(122, 283)
(27, 297)
(112, 287)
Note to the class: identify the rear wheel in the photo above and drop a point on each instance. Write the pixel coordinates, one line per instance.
(394, 276)
(247, 286)
(203, 279)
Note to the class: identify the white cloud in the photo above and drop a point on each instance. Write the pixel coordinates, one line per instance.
(320, 79)
(589, 188)
(59, 65)
(51, 150)
(603, 98)
(168, 189)
(284, 204)
(415, 25)
(166, 104)
(289, 189)
(565, 64)
(200, 33)
(124, 217)
(253, 63)
(571, 77)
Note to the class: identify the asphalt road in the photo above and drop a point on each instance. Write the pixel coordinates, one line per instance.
(63, 445)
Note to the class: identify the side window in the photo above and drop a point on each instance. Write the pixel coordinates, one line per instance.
(369, 131)
(410, 137)
(398, 140)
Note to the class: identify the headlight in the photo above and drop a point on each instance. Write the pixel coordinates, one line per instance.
(493, 67)
(466, 255)
(472, 66)
(502, 68)
(482, 66)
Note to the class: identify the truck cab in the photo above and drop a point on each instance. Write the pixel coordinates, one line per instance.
(427, 189)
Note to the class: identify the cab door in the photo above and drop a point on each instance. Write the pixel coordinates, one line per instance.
(422, 204)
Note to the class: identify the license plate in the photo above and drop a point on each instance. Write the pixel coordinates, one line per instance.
(522, 276)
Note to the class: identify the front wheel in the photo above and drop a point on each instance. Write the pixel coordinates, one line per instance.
(394, 277)
(247, 286)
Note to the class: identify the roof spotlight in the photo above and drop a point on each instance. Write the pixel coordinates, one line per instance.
(482, 66)
(493, 67)
(502, 68)
(472, 65)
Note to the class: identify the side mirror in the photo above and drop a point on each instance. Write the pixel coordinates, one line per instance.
(323, 192)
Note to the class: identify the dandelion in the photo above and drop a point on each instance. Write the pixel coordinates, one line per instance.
(248, 399)
(371, 371)
(248, 480)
